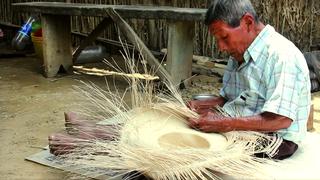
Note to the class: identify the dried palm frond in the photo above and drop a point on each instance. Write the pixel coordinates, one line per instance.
(152, 137)
(102, 72)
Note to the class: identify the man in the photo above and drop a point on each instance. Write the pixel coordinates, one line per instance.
(266, 85)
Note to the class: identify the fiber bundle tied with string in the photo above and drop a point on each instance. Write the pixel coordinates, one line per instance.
(152, 137)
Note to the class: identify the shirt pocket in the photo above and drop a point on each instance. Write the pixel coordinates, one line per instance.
(248, 103)
(252, 100)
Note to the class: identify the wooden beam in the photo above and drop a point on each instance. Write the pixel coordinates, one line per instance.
(57, 49)
(137, 42)
(91, 37)
(9, 25)
(125, 11)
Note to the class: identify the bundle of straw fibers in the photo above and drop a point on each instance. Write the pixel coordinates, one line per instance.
(153, 138)
(162, 130)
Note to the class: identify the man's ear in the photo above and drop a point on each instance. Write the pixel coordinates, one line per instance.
(247, 22)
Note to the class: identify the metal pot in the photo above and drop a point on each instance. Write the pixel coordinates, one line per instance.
(203, 96)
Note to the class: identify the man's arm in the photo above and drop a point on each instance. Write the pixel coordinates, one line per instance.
(265, 122)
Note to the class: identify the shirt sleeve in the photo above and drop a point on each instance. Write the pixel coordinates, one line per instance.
(283, 84)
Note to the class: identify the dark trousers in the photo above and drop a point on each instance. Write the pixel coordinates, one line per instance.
(285, 150)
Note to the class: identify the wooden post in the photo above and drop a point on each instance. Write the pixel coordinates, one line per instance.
(180, 50)
(57, 49)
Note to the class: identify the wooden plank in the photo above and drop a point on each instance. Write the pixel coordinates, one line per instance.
(180, 50)
(92, 36)
(125, 11)
(57, 50)
(9, 25)
(137, 42)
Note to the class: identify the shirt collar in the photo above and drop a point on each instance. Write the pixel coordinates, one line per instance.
(251, 52)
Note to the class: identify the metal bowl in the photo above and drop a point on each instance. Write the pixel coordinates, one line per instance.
(203, 96)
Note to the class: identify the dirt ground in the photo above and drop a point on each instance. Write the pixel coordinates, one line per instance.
(31, 108)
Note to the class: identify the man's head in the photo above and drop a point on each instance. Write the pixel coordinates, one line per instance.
(234, 24)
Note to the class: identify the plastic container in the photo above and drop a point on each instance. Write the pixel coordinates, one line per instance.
(203, 96)
(92, 54)
(22, 39)
(37, 44)
(36, 26)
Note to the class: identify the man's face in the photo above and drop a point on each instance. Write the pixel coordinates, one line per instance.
(233, 41)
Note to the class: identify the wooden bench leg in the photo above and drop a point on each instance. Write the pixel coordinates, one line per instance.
(180, 50)
(57, 49)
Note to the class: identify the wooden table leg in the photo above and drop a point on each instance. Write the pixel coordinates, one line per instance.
(57, 49)
(180, 50)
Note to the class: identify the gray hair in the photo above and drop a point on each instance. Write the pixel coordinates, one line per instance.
(229, 11)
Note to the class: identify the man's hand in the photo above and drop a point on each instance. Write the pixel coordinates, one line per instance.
(199, 106)
(211, 122)
(204, 106)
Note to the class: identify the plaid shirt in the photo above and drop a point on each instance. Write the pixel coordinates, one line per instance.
(274, 77)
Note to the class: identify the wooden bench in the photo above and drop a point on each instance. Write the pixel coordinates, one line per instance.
(56, 26)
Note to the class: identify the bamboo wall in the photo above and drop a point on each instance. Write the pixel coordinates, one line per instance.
(298, 20)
